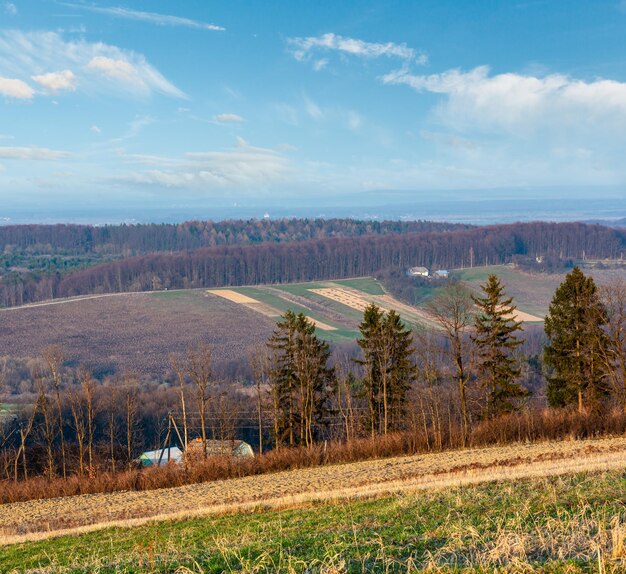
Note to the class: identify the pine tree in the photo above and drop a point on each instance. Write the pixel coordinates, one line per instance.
(495, 339)
(370, 343)
(401, 370)
(577, 343)
(301, 380)
(387, 346)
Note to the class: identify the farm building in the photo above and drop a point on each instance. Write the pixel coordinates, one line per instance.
(417, 272)
(235, 448)
(161, 456)
(442, 273)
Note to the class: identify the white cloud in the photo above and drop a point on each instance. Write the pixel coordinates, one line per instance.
(229, 118)
(304, 47)
(57, 81)
(10, 8)
(32, 153)
(97, 67)
(241, 166)
(151, 17)
(95, 129)
(521, 104)
(115, 69)
(320, 64)
(14, 88)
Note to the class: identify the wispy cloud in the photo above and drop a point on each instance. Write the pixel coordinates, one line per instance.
(10, 8)
(229, 118)
(304, 48)
(150, 17)
(449, 140)
(313, 109)
(57, 81)
(32, 153)
(242, 166)
(94, 67)
(14, 88)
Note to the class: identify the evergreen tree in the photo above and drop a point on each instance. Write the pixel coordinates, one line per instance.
(370, 343)
(577, 343)
(495, 338)
(300, 379)
(387, 346)
(401, 370)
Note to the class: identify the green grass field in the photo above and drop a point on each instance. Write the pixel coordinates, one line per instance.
(571, 524)
(532, 293)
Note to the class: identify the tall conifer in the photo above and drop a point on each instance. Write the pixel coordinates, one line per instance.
(387, 346)
(495, 337)
(577, 343)
(301, 380)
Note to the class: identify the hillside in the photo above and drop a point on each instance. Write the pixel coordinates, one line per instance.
(422, 510)
(134, 332)
(137, 331)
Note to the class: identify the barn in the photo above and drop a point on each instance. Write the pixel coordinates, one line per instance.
(234, 448)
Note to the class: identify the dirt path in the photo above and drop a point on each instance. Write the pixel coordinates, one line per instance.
(44, 518)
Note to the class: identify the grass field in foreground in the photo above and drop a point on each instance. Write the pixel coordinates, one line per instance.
(568, 524)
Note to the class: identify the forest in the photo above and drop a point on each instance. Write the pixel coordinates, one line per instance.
(350, 251)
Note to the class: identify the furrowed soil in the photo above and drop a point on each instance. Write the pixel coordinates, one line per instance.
(134, 332)
(41, 519)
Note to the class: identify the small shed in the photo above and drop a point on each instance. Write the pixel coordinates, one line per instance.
(161, 456)
(234, 448)
(442, 273)
(417, 272)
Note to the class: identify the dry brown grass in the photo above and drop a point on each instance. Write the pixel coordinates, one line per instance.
(43, 518)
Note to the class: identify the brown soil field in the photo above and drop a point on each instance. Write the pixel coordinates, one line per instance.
(134, 332)
(45, 518)
(352, 299)
(246, 301)
(260, 307)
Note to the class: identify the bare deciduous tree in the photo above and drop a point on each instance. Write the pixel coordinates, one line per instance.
(53, 357)
(261, 366)
(181, 379)
(452, 309)
(199, 365)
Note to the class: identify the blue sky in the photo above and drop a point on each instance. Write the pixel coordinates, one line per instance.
(148, 106)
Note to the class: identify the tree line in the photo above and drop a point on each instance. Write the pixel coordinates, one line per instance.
(137, 239)
(445, 382)
(327, 257)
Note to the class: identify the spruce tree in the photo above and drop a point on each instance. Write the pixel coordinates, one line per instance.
(495, 337)
(387, 346)
(577, 343)
(301, 380)
(371, 347)
(401, 370)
